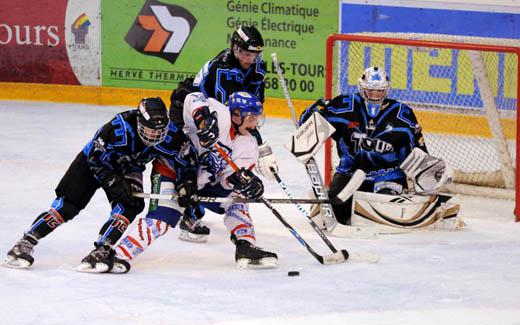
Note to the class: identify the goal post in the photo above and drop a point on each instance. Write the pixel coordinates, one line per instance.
(465, 92)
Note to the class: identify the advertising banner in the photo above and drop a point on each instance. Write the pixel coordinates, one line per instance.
(437, 75)
(37, 38)
(156, 44)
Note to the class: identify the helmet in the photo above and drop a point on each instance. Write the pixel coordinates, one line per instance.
(248, 38)
(374, 85)
(152, 121)
(248, 104)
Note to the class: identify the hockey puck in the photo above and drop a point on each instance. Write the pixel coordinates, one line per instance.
(293, 273)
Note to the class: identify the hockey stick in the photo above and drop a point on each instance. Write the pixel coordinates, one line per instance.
(209, 199)
(346, 231)
(304, 212)
(329, 219)
(335, 258)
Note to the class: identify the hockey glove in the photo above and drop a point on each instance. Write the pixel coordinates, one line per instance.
(121, 190)
(428, 173)
(316, 107)
(246, 183)
(187, 188)
(207, 124)
(266, 164)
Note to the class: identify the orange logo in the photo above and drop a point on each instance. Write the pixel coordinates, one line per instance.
(161, 30)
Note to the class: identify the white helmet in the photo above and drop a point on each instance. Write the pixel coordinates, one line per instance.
(374, 85)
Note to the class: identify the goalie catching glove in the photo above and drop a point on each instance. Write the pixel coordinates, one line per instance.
(246, 183)
(207, 124)
(428, 173)
(266, 164)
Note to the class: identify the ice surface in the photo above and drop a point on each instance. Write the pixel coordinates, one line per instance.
(468, 277)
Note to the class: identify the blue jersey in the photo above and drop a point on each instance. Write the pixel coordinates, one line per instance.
(222, 76)
(116, 147)
(375, 141)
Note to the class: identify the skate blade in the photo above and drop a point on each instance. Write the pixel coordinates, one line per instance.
(87, 268)
(16, 263)
(194, 238)
(264, 263)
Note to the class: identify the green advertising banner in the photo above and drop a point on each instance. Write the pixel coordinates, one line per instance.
(156, 44)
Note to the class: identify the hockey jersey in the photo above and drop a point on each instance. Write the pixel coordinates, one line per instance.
(116, 146)
(222, 76)
(243, 149)
(376, 143)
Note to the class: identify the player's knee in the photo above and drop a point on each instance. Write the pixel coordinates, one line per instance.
(61, 211)
(65, 208)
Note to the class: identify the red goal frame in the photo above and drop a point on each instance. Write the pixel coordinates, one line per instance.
(329, 74)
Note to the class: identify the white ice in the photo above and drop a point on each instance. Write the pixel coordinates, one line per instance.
(467, 277)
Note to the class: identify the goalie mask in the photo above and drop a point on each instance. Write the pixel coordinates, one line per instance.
(374, 86)
(152, 121)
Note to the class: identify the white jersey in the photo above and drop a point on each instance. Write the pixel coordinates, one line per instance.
(243, 149)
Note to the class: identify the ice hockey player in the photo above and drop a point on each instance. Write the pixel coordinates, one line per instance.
(237, 68)
(382, 137)
(208, 122)
(114, 160)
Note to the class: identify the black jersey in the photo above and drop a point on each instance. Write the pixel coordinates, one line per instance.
(116, 146)
(223, 75)
(376, 143)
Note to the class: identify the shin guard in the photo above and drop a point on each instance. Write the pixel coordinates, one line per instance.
(144, 232)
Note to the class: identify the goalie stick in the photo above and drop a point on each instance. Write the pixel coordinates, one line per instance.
(329, 219)
(335, 258)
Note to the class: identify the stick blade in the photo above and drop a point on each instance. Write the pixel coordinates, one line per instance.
(336, 258)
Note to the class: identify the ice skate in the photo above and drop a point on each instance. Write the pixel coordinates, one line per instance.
(193, 230)
(249, 256)
(100, 260)
(20, 256)
(120, 266)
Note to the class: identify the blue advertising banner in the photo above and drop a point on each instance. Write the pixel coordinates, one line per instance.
(435, 76)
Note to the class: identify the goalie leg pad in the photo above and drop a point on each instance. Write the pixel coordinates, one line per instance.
(404, 211)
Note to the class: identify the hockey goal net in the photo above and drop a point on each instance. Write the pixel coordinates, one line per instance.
(465, 94)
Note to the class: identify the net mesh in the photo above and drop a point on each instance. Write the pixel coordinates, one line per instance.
(451, 105)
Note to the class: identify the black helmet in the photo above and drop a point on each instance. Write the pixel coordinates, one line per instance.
(248, 38)
(152, 121)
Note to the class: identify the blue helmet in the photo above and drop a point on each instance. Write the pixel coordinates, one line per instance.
(247, 103)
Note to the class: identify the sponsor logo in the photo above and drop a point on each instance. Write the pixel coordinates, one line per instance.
(364, 142)
(79, 29)
(24, 35)
(161, 30)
